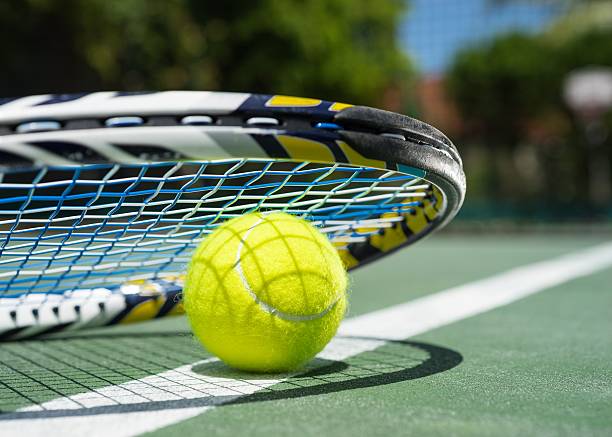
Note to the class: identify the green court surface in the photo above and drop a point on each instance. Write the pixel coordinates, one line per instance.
(537, 366)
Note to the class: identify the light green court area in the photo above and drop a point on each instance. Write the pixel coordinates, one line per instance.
(539, 366)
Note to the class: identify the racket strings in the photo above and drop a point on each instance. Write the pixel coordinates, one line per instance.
(81, 227)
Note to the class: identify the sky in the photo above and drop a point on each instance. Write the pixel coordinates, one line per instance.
(434, 30)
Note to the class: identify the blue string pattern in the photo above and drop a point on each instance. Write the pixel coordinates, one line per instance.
(82, 227)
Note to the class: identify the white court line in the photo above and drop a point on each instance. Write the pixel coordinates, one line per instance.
(102, 425)
(398, 322)
(457, 303)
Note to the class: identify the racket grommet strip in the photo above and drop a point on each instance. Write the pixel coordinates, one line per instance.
(197, 120)
(38, 126)
(124, 121)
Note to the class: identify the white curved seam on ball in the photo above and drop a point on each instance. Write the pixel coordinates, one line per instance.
(263, 305)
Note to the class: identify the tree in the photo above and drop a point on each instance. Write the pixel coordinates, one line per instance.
(336, 49)
(501, 86)
(510, 93)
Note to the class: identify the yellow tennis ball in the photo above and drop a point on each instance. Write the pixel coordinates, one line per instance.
(265, 292)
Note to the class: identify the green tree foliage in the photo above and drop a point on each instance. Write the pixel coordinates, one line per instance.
(504, 84)
(336, 49)
(503, 87)
(587, 48)
(510, 94)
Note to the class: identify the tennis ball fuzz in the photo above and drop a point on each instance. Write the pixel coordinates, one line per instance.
(265, 292)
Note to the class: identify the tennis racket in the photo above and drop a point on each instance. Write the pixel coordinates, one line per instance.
(104, 196)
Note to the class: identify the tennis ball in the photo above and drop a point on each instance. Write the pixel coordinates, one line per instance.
(265, 292)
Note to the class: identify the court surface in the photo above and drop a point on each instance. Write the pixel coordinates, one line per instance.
(458, 335)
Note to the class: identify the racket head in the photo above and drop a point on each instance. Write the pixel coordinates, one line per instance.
(106, 194)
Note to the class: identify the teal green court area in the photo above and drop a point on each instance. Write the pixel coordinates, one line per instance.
(537, 366)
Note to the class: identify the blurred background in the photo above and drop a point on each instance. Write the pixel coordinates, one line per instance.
(523, 87)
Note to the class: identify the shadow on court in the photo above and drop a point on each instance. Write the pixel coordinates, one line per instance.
(100, 366)
(395, 361)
